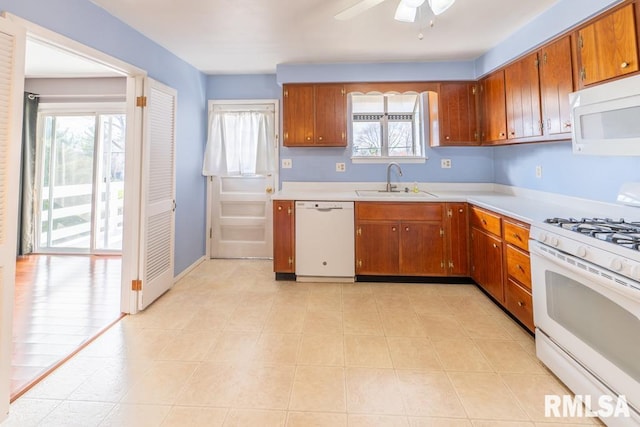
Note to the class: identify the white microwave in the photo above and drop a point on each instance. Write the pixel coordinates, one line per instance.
(605, 119)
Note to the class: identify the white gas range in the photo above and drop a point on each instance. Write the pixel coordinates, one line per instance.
(586, 297)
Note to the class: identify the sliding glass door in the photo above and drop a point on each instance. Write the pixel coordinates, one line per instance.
(81, 163)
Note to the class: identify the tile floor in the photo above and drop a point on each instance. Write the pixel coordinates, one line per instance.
(230, 346)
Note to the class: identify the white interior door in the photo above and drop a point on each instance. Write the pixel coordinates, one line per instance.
(241, 202)
(12, 48)
(158, 192)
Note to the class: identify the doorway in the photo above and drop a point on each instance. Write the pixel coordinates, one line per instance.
(241, 159)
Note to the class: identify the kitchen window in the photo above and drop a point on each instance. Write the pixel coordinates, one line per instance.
(385, 126)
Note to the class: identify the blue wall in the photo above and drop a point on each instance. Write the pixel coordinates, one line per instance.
(84, 22)
(243, 86)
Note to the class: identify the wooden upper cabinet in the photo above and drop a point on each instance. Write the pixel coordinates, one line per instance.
(522, 93)
(314, 115)
(494, 119)
(556, 82)
(608, 47)
(457, 114)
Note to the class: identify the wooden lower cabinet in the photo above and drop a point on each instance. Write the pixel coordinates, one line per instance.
(284, 236)
(520, 303)
(400, 239)
(486, 262)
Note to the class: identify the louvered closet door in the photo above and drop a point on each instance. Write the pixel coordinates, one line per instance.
(12, 46)
(158, 192)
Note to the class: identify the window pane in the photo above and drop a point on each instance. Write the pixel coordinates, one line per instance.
(400, 139)
(367, 104)
(404, 103)
(367, 139)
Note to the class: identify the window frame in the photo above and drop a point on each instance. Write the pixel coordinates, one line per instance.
(419, 120)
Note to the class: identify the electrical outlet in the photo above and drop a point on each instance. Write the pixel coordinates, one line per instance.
(341, 167)
(445, 163)
(287, 164)
(538, 171)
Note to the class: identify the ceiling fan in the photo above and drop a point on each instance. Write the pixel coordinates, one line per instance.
(406, 11)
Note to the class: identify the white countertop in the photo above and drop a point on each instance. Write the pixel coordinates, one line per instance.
(525, 205)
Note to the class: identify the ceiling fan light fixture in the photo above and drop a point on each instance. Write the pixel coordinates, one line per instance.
(405, 13)
(412, 3)
(439, 6)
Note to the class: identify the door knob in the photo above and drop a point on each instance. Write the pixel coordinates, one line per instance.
(269, 190)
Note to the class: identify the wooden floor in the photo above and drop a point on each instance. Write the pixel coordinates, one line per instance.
(61, 302)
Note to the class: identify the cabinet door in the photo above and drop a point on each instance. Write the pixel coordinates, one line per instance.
(522, 92)
(556, 83)
(283, 236)
(494, 116)
(486, 263)
(457, 114)
(377, 248)
(298, 115)
(421, 249)
(457, 233)
(331, 115)
(608, 47)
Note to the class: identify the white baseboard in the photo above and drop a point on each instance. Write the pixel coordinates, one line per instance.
(190, 268)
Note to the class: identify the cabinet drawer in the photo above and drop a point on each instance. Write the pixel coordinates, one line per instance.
(519, 302)
(516, 234)
(485, 220)
(519, 266)
(399, 211)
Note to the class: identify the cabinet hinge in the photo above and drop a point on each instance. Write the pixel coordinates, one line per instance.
(544, 58)
(583, 73)
(136, 285)
(441, 232)
(360, 263)
(450, 213)
(580, 42)
(451, 265)
(476, 136)
(342, 91)
(289, 210)
(141, 101)
(290, 261)
(286, 93)
(442, 264)
(536, 63)
(473, 90)
(541, 124)
(359, 231)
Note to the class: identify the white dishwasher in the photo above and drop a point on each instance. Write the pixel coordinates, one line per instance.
(325, 241)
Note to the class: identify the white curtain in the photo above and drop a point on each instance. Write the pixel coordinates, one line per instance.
(239, 143)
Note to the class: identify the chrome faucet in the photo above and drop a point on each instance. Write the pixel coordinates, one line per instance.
(389, 186)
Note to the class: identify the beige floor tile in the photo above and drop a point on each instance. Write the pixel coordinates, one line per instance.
(461, 355)
(285, 320)
(360, 420)
(111, 382)
(233, 347)
(318, 301)
(321, 350)
(319, 389)
(442, 327)
(324, 287)
(530, 391)
(81, 414)
(469, 305)
(189, 346)
(430, 305)
(485, 326)
(373, 391)
(316, 419)
(248, 319)
(131, 415)
(148, 343)
(29, 412)
(212, 384)
(402, 323)
(161, 383)
(356, 288)
(266, 387)
(495, 423)
(460, 289)
(486, 396)
(253, 418)
(438, 422)
(413, 353)
(323, 322)
(392, 301)
(429, 394)
(359, 302)
(277, 349)
(509, 356)
(209, 319)
(181, 416)
(362, 322)
(366, 351)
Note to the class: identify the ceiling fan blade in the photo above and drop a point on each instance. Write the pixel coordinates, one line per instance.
(405, 13)
(357, 9)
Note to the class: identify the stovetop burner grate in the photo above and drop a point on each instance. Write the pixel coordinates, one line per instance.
(619, 232)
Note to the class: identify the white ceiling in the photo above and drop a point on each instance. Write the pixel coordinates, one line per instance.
(253, 36)
(46, 61)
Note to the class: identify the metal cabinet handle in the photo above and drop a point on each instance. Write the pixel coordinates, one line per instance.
(512, 133)
(406, 229)
(495, 246)
(520, 267)
(520, 304)
(393, 229)
(319, 138)
(501, 135)
(567, 124)
(624, 65)
(279, 208)
(517, 236)
(308, 138)
(447, 137)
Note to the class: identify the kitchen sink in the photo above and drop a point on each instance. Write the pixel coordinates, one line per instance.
(396, 194)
